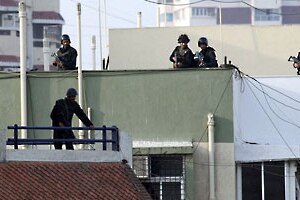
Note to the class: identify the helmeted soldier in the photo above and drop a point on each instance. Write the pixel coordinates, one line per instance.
(66, 55)
(207, 56)
(182, 56)
(62, 114)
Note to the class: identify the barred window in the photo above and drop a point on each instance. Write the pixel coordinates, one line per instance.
(162, 175)
(273, 176)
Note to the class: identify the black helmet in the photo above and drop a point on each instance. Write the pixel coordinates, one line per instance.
(71, 92)
(183, 38)
(202, 40)
(65, 37)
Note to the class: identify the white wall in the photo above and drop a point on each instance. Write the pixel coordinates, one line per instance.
(266, 118)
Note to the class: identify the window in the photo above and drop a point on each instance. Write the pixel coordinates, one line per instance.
(4, 32)
(273, 176)
(169, 17)
(179, 14)
(203, 12)
(267, 15)
(162, 175)
(10, 20)
(37, 43)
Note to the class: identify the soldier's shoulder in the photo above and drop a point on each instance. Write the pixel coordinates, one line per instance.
(60, 101)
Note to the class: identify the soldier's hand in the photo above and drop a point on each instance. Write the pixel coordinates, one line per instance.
(296, 65)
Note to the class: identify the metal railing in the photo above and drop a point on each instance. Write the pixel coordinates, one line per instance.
(114, 136)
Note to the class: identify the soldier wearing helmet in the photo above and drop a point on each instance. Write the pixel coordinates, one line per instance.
(182, 56)
(207, 56)
(66, 55)
(296, 63)
(62, 114)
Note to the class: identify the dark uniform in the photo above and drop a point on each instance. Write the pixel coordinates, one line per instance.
(207, 56)
(182, 56)
(67, 56)
(63, 112)
(298, 69)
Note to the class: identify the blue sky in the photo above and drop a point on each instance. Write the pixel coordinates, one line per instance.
(119, 14)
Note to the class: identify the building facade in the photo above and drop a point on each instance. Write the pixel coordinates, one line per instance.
(254, 12)
(167, 114)
(43, 20)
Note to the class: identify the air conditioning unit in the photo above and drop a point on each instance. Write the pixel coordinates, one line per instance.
(141, 166)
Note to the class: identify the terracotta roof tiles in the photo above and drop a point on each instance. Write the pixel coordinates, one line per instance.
(50, 180)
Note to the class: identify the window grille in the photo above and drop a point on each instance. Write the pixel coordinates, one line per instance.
(162, 175)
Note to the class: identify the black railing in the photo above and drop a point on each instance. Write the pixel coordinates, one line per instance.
(114, 136)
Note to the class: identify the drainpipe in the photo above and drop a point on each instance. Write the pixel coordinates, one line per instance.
(158, 17)
(80, 93)
(23, 52)
(90, 133)
(46, 51)
(287, 179)
(93, 46)
(293, 169)
(211, 155)
(139, 20)
(100, 36)
(239, 180)
(262, 181)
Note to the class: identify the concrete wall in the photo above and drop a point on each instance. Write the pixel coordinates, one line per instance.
(256, 50)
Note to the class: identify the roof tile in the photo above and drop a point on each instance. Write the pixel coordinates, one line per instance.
(48, 180)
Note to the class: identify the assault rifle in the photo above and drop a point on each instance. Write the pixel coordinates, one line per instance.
(294, 59)
(198, 58)
(57, 61)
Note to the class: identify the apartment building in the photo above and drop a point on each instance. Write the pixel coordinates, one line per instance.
(254, 12)
(43, 19)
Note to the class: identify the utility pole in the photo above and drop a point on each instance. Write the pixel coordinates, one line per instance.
(23, 55)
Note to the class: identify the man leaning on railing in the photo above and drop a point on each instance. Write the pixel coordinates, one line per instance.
(62, 114)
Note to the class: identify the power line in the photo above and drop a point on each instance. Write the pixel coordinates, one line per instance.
(109, 14)
(217, 106)
(273, 111)
(267, 11)
(274, 125)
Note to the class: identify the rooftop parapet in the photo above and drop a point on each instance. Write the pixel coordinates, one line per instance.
(110, 146)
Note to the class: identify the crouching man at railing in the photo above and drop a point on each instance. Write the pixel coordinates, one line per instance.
(62, 114)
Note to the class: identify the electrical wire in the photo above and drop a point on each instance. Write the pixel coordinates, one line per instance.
(109, 14)
(217, 106)
(273, 124)
(273, 111)
(266, 94)
(267, 11)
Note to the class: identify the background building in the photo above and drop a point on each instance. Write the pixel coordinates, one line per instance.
(255, 12)
(256, 50)
(43, 20)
